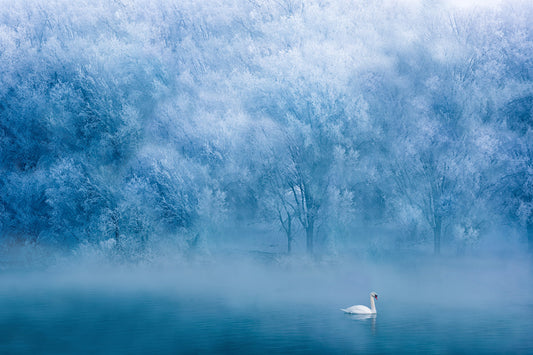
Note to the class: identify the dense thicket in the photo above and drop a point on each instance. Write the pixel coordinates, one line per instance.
(335, 122)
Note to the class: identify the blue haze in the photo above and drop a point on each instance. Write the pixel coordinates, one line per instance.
(161, 161)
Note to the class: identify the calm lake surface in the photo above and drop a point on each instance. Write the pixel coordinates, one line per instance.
(61, 316)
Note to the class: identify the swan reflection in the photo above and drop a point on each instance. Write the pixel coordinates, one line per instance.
(366, 318)
(363, 316)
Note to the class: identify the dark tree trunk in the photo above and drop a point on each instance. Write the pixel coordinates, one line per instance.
(286, 225)
(116, 234)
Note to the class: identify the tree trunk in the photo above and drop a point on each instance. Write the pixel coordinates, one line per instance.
(116, 234)
(309, 237)
(286, 225)
(437, 231)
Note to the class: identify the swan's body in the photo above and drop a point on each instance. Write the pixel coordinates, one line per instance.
(359, 310)
(363, 309)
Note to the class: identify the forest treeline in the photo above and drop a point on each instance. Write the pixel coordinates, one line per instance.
(323, 121)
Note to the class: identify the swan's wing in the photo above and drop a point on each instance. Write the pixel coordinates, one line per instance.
(357, 310)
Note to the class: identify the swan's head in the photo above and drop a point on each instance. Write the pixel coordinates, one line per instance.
(373, 294)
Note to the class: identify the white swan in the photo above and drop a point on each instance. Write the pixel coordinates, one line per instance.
(363, 309)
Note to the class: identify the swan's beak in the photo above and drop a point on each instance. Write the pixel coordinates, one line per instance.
(376, 296)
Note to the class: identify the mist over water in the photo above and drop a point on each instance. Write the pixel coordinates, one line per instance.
(287, 304)
(224, 177)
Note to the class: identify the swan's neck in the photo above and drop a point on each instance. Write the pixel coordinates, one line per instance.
(372, 304)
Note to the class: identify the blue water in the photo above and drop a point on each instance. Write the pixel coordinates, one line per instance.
(145, 322)
(436, 306)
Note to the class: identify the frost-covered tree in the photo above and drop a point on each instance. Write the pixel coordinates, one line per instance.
(139, 120)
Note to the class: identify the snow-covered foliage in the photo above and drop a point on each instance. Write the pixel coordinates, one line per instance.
(331, 122)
